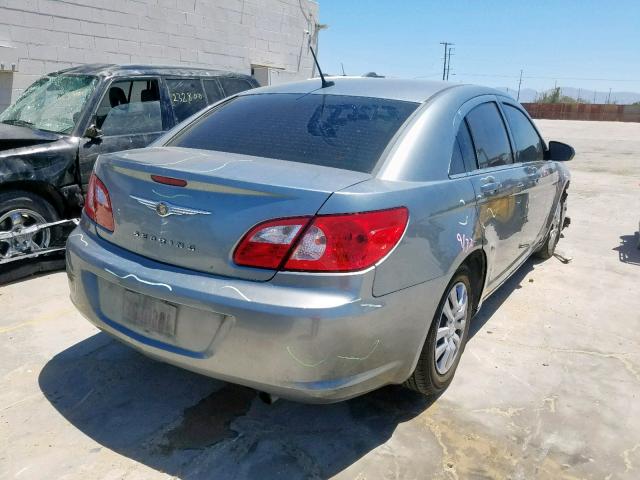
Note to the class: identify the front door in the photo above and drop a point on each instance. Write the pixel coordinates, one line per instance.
(129, 116)
(541, 175)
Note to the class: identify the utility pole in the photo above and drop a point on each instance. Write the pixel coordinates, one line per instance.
(519, 84)
(579, 92)
(444, 64)
(449, 62)
(342, 65)
(609, 97)
(594, 96)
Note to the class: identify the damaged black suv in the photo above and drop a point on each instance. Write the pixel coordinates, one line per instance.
(51, 136)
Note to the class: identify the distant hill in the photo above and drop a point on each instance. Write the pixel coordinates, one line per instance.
(621, 98)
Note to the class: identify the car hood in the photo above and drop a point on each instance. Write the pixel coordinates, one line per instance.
(14, 136)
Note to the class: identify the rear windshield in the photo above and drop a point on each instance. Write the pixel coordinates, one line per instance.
(330, 130)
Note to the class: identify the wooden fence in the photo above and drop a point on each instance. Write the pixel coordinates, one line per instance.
(584, 111)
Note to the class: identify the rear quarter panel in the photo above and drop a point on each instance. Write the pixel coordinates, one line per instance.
(443, 227)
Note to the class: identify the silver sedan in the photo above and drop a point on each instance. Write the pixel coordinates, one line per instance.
(315, 241)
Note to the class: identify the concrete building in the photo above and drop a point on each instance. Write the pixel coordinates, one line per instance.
(268, 38)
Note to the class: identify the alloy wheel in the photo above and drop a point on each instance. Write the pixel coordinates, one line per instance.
(554, 232)
(16, 221)
(451, 328)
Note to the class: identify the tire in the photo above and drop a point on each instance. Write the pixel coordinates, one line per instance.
(548, 248)
(35, 209)
(428, 378)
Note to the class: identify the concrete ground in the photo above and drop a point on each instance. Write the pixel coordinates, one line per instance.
(549, 386)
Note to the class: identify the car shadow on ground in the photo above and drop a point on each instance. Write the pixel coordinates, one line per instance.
(193, 427)
(628, 250)
(23, 270)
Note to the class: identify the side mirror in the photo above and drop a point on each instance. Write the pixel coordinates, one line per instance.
(93, 132)
(560, 152)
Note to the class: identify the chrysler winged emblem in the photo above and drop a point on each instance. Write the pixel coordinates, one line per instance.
(164, 209)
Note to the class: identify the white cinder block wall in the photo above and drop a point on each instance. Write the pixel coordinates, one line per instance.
(49, 35)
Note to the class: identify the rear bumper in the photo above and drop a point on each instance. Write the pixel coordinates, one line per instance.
(313, 338)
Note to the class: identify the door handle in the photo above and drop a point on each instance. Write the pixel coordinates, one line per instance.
(532, 172)
(490, 187)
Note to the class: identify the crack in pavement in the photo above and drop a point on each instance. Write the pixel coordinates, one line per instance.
(628, 365)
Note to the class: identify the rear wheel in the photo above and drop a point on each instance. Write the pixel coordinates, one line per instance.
(548, 248)
(446, 339)
(18, 211)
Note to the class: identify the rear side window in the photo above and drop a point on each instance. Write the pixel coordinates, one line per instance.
(187, 97)
(489, 136)
(464, 157)
(329, 130)
(232, 85)
(529, 146)
(457, 162)
(212, 89)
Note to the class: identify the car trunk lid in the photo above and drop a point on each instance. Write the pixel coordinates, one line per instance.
(197, 226)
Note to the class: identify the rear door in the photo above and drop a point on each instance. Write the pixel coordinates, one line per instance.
(542, 176)
(130, 115)
(500, 185)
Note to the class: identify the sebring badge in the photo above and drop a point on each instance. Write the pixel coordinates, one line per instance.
(165, 209)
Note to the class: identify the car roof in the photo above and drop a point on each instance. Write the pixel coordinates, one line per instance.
(113, 70)
(418, 91)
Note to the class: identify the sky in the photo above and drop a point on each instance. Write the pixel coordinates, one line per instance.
(583, 44)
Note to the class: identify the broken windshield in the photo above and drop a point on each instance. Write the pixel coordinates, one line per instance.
(52, 103)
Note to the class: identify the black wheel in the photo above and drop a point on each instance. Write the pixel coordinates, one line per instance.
(446, 339)
(20, 210)
(548, 248)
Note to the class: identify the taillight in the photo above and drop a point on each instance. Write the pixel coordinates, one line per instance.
(267, 244)
(325, 243)
(98, 204)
